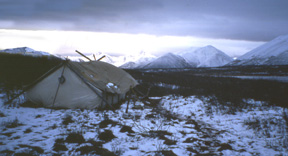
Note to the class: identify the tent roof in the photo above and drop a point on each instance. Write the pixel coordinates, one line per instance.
(104, 76)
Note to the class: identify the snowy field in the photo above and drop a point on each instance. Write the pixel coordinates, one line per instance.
(168, 125)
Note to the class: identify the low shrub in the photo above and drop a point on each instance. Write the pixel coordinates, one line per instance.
(105, 123)
(107, 135)
(86, 150)
(75, 137)
(12, 124)
(59, 145)
(28, 130)
(2, 114)
(34, 149)
(67, 119)
(126, 129)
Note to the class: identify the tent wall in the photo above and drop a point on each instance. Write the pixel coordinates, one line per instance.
(73, 93)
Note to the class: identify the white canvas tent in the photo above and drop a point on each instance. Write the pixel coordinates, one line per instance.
(85, 85)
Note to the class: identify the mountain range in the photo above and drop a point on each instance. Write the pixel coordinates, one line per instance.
(274, 52)
(207, 56)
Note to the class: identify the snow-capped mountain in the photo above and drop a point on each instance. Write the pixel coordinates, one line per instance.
(138, 61)
(207, 56)
(274, 52)
(168, 60)
(129, 65)
(25, 51)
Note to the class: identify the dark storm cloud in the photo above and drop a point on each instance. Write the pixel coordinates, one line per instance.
(259, 20)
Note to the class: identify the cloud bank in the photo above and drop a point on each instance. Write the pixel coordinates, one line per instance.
(251, 20)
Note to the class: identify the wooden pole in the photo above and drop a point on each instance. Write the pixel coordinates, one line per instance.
(129, 95)
(83, 55)
(101, 58)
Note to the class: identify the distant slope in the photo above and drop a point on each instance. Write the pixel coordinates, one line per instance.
(207, 56)
(270, 53)
(281, 59)
(25, 51)
(129, 65)
(168, 61)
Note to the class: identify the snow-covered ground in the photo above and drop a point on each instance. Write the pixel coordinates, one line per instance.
(169, 125)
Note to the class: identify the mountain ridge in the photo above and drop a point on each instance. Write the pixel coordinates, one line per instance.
(168, 60)
(273, 52)
(207, 56)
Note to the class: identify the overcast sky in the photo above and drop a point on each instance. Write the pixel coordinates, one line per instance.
(251, 21)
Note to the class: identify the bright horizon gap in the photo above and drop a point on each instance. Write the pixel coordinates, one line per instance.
(65, 43)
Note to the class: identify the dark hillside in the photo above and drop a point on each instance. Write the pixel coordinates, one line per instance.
(17, 70)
